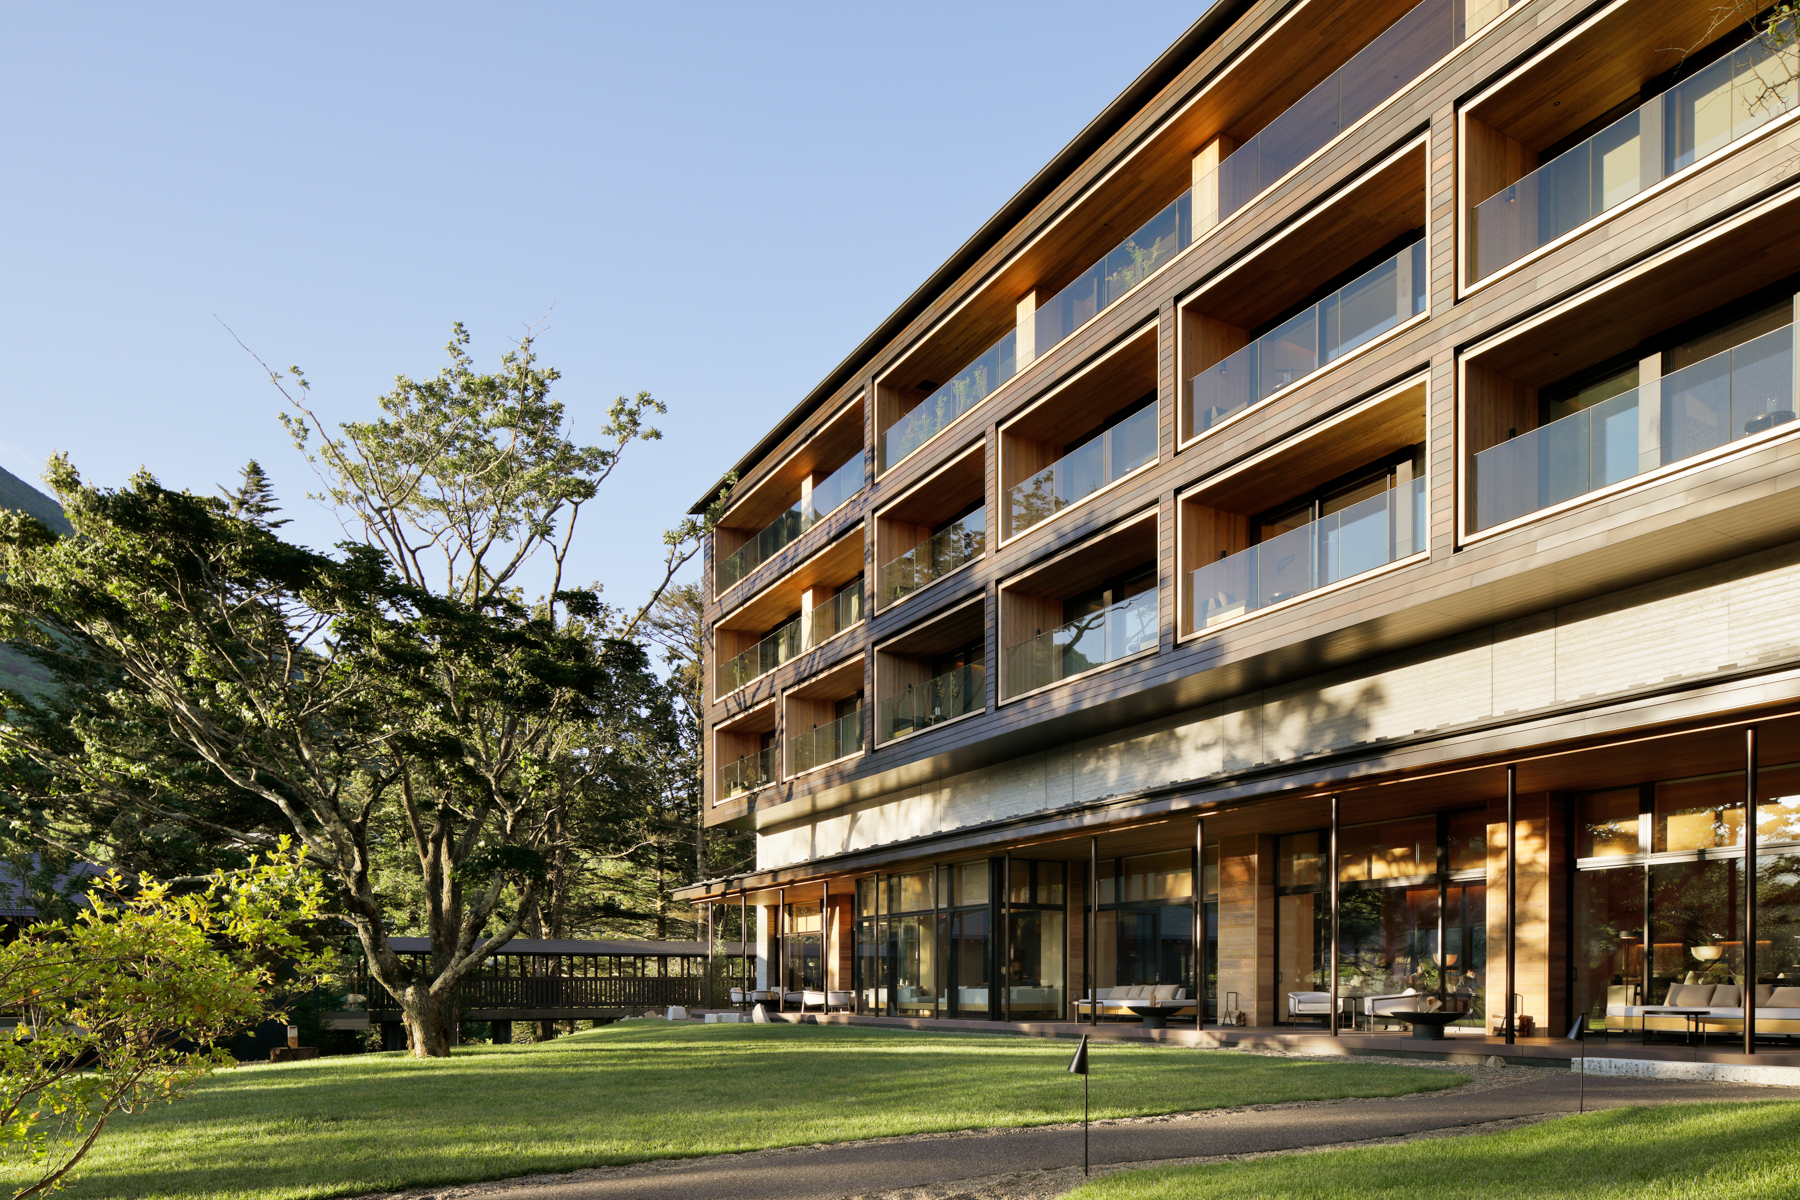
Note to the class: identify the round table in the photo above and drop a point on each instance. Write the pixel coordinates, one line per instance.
(1428, 1026)
(1152, 1014)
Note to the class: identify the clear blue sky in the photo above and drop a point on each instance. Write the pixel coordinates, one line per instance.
(714, 203)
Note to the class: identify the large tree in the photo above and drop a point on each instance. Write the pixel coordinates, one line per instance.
(409, 690)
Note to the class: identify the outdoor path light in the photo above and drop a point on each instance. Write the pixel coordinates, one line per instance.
(1079, 1066)
(1578, 1033)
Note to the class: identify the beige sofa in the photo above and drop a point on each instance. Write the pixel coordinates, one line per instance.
(1777, 1009)
(1115, 1001)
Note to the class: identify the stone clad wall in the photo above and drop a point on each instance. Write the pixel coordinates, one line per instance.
(1679, 630)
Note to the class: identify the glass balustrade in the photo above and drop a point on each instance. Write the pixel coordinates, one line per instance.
(1089, 641)
(936, 556)
(1354, 90)
(1125, 266)
(920, 706)
(833, 617)
(1361, 310)
(1084, 470)
(1727, 100)
(775, 649)
(1734, 394)
(747, 773)
(824, 499)
(1365, 535)
(826, 743)
(970, 387)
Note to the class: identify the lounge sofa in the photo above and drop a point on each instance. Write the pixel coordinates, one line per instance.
(1777, 1009)
(1115, 1001)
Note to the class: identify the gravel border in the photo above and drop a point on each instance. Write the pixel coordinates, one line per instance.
(1040, 1185)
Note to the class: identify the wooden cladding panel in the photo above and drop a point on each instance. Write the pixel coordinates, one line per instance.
(1541, 908)
(759, 501)
(1289, 270)
(1491, 161)
(1600, 67)
(1247, 924)
(1495, 408)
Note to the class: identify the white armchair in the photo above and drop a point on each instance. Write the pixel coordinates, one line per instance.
(1309, 1004)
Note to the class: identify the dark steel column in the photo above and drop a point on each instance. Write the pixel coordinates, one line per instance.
(1093, 953)
(1200, 923)
(940, 965)
(1331, 868)
(825, 942)
(1443, 874)
(1749, 996)
(1005, 972)
(743, 939)
(1512, 897)
(711, 936)
(781, 929)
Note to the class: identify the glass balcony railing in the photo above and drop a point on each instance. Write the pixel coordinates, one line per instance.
(760, 659)
(826, 743)
(970, 387)
(1361, 310)
(825, 498)
(936, 556)
(1700, 116)
(1114, 632)
(1354, 90)
(747, 773)
(1368, 534)
(833, 617)
(1734, 394)
(1083, 471)
(920, 706)
(1125, 266)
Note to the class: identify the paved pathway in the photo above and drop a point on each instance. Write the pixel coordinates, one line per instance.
(835, 1172)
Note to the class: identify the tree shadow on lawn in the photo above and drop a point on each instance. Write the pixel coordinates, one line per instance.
(643, 1091)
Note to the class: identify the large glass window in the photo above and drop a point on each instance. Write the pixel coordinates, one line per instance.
(1145, 924)
(800, 946)
(1037, 941)
(966, 946)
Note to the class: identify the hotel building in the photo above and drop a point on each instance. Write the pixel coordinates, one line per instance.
(1330, 537)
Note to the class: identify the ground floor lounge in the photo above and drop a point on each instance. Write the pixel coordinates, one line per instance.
(1599, 881)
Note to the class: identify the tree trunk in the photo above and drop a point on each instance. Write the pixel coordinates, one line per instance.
(427, 1032)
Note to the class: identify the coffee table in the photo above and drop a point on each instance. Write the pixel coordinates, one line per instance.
(1694, 1017)
(1152, 1014)
(1428, 1026)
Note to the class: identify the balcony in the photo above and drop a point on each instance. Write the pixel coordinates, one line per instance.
(970, 387)
(768, 653)
(824, 498)
(1392, 61)
(1090, 606)
(748, 773)
(832, 617)
(945, 697)
(1108, 456)
(1361, 537)
(1734, 394)
(819, 599)
(1343, 497)
(771, 509)
(745, 753)
(823, 717)
(1379, 299)
(1092, 640)
(957, 544)
(1126, 265)
(1736, 95)
(932, 674)
(933, 530)
(837, 738)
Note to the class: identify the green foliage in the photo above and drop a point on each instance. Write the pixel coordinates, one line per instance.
(643, 1090)
(125, 1006)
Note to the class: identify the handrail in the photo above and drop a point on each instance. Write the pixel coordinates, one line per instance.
(1083, 471)
(1091, 640)
(953, 694)
(935, 557)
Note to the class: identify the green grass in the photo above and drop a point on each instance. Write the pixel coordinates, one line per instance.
(645, 1090)
(1695, 1152)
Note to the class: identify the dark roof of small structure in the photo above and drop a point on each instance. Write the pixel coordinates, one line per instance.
(568, 946)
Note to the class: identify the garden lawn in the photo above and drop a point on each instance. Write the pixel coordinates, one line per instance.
(647, 1089)
(1695, 1152)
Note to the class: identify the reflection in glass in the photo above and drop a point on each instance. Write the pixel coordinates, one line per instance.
(1703, 114)
(1608, 824)
(1084, 469)
(1361, 537)
(1608, 937)
(970, 387)
(1366, 307)
(1091, 640)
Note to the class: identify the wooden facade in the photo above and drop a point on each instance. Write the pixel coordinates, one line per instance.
(1404, 688)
